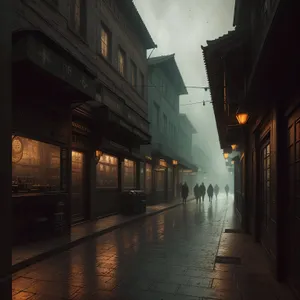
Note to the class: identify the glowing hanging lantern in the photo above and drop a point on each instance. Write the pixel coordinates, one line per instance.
(242, 117)
(233, 147)
(226, 155)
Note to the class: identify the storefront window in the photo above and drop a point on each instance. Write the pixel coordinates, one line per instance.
(142, 176)
(148, 178)
(35, 166)
(107, 172)
(160, 180)
(129, 174)
(170, 179)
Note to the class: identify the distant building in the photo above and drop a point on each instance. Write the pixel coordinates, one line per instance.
(167, 152)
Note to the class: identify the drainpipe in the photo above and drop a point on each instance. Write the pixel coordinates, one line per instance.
(6, 18)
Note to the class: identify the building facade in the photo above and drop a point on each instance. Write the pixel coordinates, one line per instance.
(80, 111)
(247, 79)
(168, 158)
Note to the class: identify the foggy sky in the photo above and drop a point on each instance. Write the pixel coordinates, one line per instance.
(181, 27)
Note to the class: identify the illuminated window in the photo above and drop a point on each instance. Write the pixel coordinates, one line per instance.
(148, 178)
(129, 174)
(142, 176)
(107, 172)
(105, 42)
(35, 166)
(121, 62)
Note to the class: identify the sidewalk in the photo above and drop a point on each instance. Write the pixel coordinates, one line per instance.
(24, 256)
(251, 277)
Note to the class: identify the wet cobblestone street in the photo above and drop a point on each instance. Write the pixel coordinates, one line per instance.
(168, 256)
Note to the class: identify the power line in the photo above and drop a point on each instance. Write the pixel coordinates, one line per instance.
(195, 103)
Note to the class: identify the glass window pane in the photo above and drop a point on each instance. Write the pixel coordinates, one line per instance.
(148, 178)
(129, 174)
(107, 172)
(35, 166)
(142, 176)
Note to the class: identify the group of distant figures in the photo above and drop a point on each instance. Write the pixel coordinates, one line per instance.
(200, 192)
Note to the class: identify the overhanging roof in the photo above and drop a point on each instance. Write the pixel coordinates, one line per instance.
(168, 64)
(137, 25)
(213, 55)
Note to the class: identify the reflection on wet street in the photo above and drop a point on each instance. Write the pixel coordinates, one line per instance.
(167, 256)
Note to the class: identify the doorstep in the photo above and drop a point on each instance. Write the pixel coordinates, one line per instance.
(24, 256)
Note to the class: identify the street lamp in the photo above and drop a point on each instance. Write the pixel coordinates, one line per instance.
(226, 155)
(242, 116)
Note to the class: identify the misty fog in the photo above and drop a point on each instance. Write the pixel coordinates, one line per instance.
(181, 27)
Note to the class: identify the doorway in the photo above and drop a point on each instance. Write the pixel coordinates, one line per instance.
(77, 191)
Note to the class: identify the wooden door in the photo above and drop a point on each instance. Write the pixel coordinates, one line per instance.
(265, 192)
(293, 203)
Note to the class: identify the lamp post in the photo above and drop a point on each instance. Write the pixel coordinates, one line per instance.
(6, 19)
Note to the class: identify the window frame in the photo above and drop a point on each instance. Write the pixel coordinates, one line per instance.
(81, 31)
(122, 53)
(105, 29)
(133, 71)
(142, 82)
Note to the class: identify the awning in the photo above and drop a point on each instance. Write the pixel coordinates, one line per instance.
(54, 61)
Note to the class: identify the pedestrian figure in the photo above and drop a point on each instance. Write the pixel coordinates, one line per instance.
(202, 191)
(184, 192)
(210, 192)
(227, 190)
(197, 192)
(216, 190)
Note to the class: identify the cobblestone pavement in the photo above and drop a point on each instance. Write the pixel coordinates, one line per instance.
(167, 256)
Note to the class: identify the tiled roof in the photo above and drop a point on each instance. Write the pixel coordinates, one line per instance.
(169, 65)
(131, 13)
(160, 59)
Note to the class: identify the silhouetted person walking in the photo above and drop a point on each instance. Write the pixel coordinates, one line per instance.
(202, 191)
(216, 190)
(210, 192)
(184, 192)
(197, 192)
(227, 190)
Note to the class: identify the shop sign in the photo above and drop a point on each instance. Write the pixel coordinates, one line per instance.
(163, 163)
(49, 60)
(80, 127)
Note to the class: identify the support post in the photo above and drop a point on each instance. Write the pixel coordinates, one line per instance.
(6, 18)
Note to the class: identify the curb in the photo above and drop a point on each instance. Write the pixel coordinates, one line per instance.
(40, 257)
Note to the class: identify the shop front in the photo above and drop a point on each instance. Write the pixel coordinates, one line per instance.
(121, 167)
(43, 96)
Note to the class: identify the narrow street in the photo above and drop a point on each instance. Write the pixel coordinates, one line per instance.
(167, 256)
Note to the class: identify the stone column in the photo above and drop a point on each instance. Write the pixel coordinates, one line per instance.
(6, 17)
